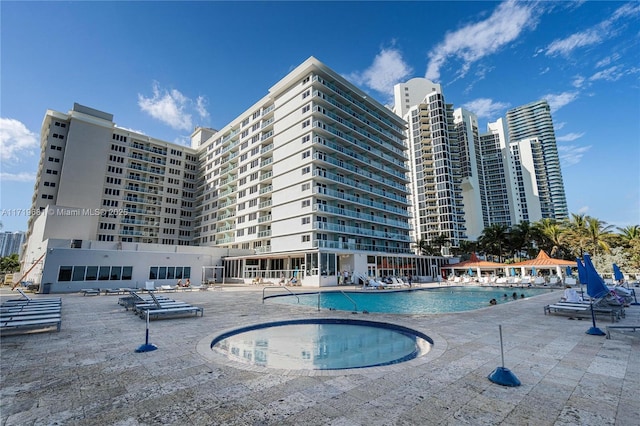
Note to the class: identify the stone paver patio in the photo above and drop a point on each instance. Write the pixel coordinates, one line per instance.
(89, 372)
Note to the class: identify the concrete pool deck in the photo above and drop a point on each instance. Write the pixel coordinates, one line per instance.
(89, 372)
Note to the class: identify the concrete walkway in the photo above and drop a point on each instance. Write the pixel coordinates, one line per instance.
(89, 372)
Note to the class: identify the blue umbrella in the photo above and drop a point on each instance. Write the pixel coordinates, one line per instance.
(533, 271)
(617, 273)
(595, 288)
(569, 271)
(513, 272)
(582, 273)
(470, 272)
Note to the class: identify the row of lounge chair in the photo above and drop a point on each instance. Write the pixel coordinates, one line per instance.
(120, 291)
(26, 315)
(390, 283)
(156, 307)
(174, 288)
(580, 309)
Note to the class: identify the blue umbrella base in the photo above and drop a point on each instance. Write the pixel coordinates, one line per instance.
(503, 376)
(147, 347)
(595, 331)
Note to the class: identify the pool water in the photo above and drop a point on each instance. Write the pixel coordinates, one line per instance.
(322, 344)
(418, 301)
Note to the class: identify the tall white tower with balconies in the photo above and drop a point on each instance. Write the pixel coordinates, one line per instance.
(314, 165)
(434, 163)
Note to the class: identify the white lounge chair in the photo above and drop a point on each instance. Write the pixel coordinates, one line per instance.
(26, 315)
(373, 284)
(164, 310)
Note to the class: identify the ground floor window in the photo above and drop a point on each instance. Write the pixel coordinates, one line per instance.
(169, 272)
(327, 263)
(93, 273)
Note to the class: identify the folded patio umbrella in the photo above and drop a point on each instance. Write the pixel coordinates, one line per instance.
(617, 273)
(596, 287)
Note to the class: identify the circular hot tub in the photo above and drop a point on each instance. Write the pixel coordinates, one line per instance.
(322, 344)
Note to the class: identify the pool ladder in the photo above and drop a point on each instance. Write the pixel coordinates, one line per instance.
(355, 306)
(283, 287)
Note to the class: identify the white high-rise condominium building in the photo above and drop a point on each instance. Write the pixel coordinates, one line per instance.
(485, 173)
(434, 163)
(533, 121)
(528, 179)
(497, 200)
(311, 181)
(315, 170)
(116, 184)
(472, 186)
(512, 178)
(463, 181)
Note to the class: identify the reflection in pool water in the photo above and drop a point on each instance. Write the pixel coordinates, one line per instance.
(418, 301)
(322, 344)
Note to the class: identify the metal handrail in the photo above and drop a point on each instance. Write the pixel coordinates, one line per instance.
(281, 286)
(355, 306)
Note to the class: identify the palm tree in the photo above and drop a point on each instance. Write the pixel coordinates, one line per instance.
(549, 236)
(521, 238)
(10, 263)
(424, 249)
(440, 241)
(493, 239)
(464, 249)
(577, 238)
(631, 232)
(598, 232)
(630, 240)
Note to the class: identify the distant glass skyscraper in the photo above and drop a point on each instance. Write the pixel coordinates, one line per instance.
(532, 125)
(11, 243)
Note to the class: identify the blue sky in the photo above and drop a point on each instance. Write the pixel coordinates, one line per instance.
(164, 67)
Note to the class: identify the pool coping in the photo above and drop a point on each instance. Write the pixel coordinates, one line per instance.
(438, 347)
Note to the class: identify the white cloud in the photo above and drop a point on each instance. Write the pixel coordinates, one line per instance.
(594, 35)
(172, 107)
(570, 137)
(578, 81)
(571, 154)
(607, 60)
(486, 108)
(16, 140)
(201, 107)
(480, 74)
(182, 140)
(18, 177)
(628, 9)
(559, 125)
(387, 70)
(475, 41)
(574, 41)
(610, 74)
(558, 101)
(583, 210)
